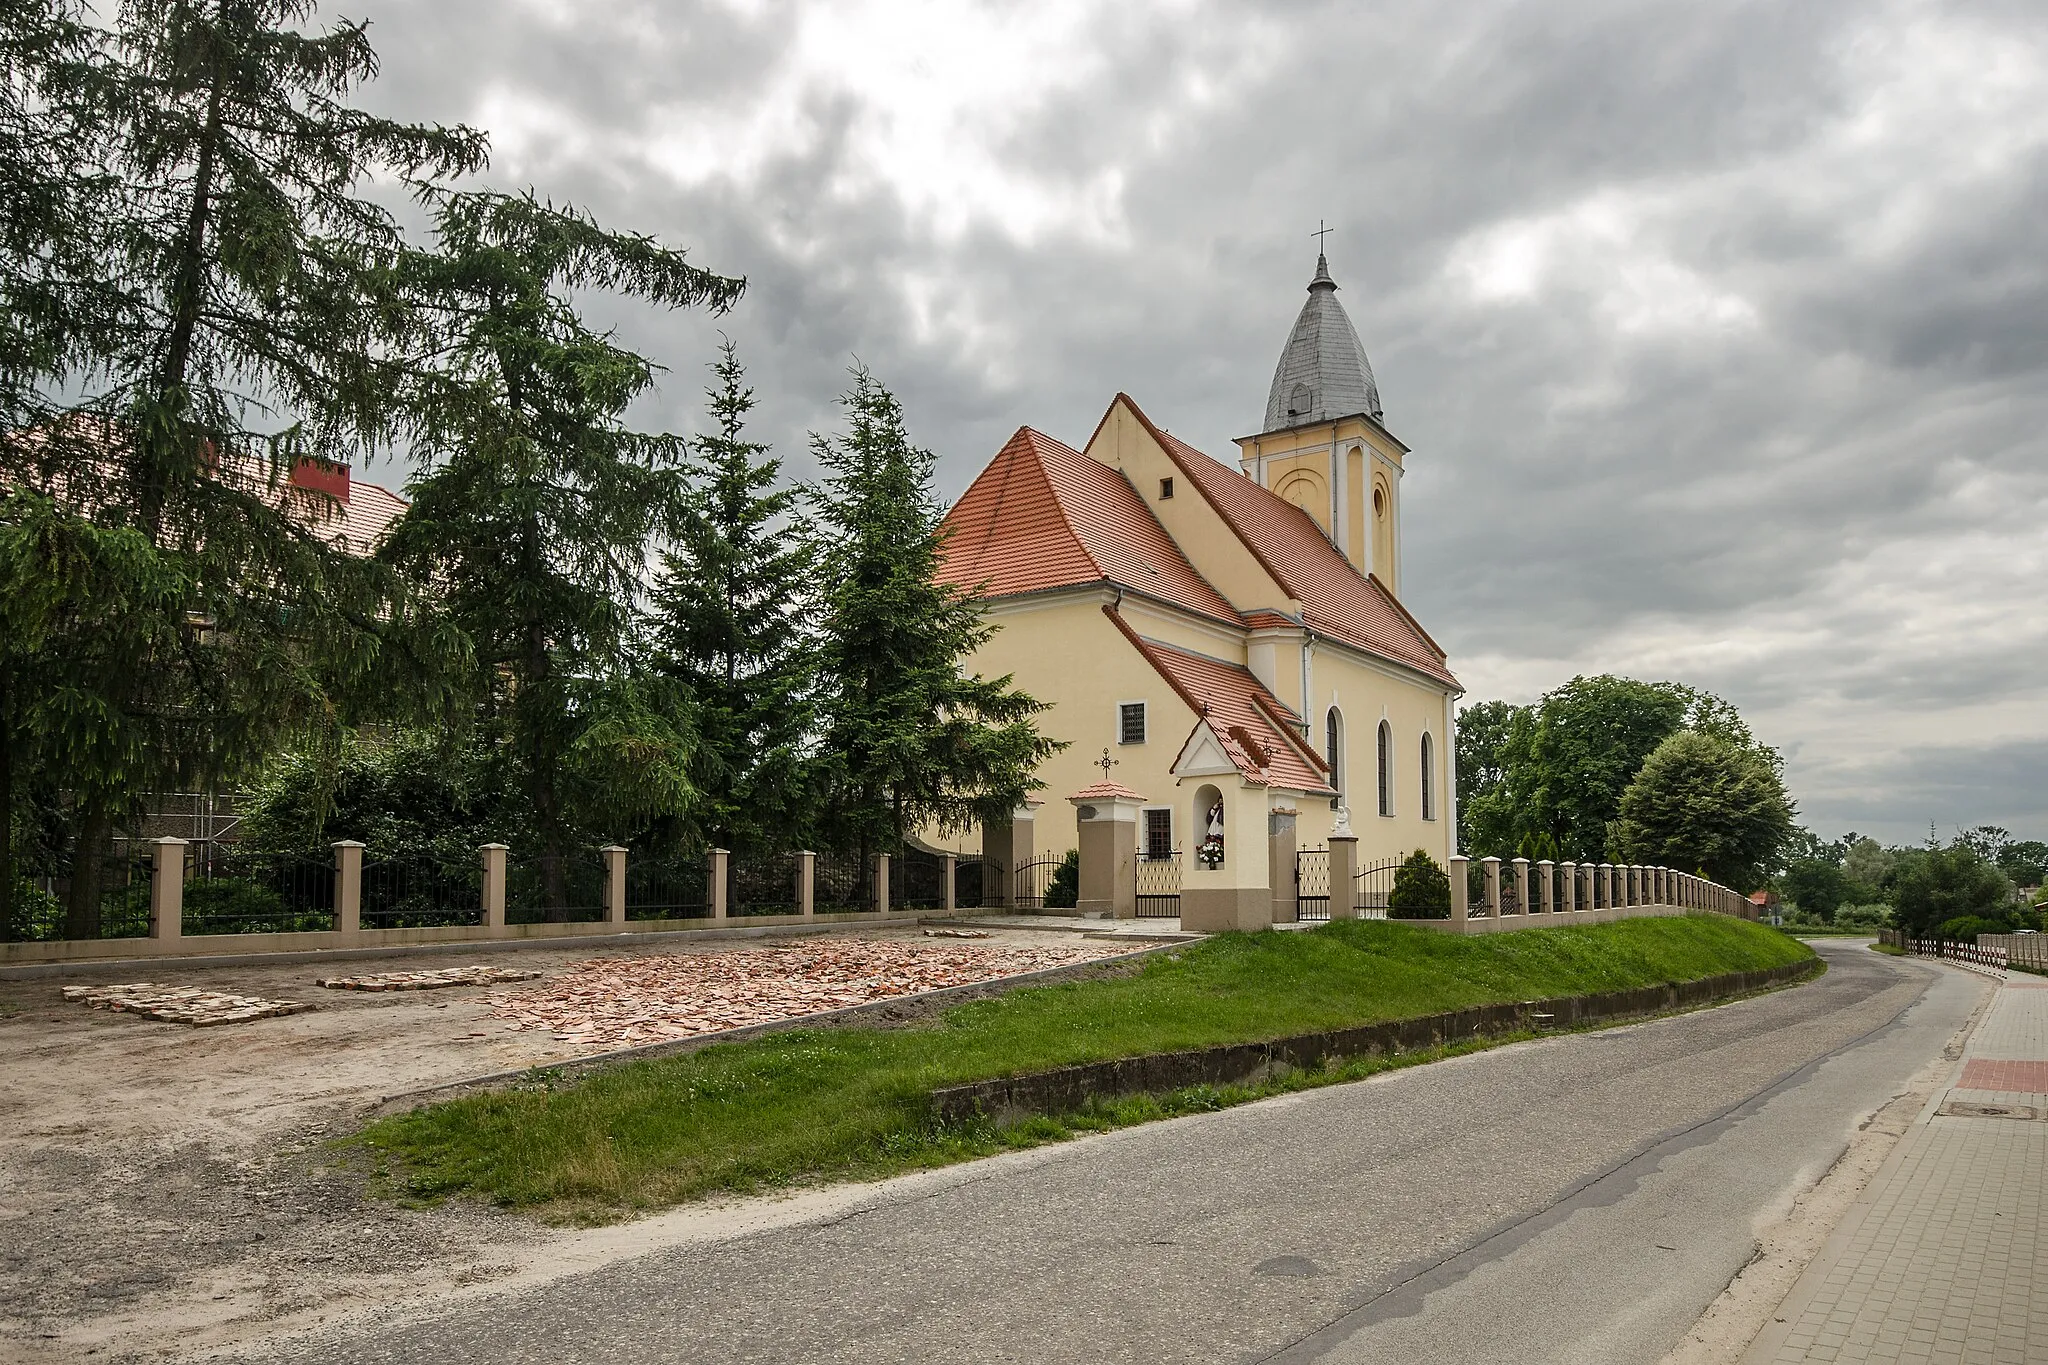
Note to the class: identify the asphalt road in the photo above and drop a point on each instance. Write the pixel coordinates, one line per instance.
(1575, 1199)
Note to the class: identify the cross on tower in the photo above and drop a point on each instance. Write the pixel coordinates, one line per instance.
(1106, 763)
(1321, 232)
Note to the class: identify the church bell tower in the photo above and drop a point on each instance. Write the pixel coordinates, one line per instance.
(1325, 446)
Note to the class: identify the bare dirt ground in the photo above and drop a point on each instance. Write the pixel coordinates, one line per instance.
(165, 1188)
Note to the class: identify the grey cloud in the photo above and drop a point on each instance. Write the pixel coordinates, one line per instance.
(1783, 482)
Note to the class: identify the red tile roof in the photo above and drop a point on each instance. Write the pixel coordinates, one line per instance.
(1106, 791)
(1255, 727)
(1337, 600)
(352, 515)
(1043, 515)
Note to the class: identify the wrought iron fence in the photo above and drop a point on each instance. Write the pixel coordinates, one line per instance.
(233, 891)
(1312, 884)
(1375, 892)
(40, 908)
(1159, 887)
(842, 883)
(560, 888)
(421, 893)
(1032, 881)
(675, 886)
(917, 880)
(972, 878)
(761, 884)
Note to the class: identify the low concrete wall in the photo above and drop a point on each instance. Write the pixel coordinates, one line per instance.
(375, 942)
(1068, 1089)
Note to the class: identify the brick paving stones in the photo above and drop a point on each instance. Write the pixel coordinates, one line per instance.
(437, 978)
(623, 1002)
(182, 1004)
(1947, 1258)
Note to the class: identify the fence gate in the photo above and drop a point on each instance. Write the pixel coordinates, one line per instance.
(1033, 878)
(1375, 885)
(1312, 884)
(917, 880)
(970, 875)
(1159, 886)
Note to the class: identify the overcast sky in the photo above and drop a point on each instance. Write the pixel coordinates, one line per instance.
(1718, 330)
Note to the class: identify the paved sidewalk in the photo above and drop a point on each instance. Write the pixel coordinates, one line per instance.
(1945, 1259)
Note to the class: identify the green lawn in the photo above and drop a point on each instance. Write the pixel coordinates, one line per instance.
(851, 1102)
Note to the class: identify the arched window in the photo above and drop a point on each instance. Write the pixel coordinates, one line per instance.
(1386, 768)
(1428, 777)
(1333, 747)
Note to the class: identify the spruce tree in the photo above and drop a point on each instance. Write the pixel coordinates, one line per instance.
(912, 740)
(535, 521)
(737, 606)
(249, 325)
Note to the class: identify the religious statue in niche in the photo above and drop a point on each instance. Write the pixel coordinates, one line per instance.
(1210, 854)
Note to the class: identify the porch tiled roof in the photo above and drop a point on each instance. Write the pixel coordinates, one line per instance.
(1106, 791)
(1254, 726)
(1043, 515)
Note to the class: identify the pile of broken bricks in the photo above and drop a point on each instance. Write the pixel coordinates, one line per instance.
(609, 1003)
(434, 979)
(182, 1004)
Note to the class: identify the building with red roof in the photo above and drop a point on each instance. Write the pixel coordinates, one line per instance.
(1230, 640)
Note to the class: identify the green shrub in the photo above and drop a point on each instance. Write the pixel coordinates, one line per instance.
(1063, 892)
(1874, 916)
(1965, 928)
(36, 914)
(1422, 889)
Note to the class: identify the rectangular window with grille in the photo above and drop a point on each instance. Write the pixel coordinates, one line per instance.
(1159, 834)
(1130, 722)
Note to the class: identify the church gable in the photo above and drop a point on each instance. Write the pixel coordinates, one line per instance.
(1043, 516)
(1263, 550)
(1127, 440)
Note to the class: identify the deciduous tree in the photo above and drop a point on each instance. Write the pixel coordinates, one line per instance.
(1701, 801)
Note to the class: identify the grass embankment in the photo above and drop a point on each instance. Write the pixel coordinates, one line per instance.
(851, 1102)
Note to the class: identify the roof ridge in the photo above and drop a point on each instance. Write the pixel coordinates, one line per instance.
(1407, 615)
(1023, 442)
(1033, 437)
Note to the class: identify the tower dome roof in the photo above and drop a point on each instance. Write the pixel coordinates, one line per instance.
(1323, 373)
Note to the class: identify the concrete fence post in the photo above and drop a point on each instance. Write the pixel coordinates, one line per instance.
(1461, 888)
(493, 856)
(166, 888)
(1603, 880)
(1546, 875)
(1344, 877)
(1489, 872)
(721, 883)
(1525, 901)
(348, 887)
(951, 872)
(882, 883)
(614, 885)
(1571, 888)
(807, 884)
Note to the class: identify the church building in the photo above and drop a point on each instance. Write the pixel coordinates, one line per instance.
(1224, 650)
